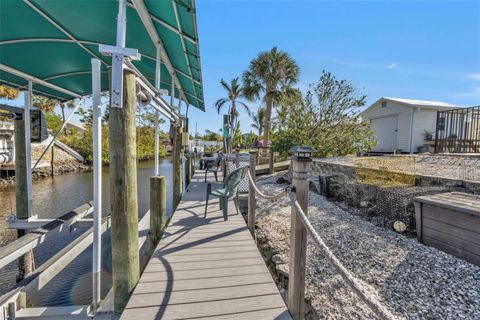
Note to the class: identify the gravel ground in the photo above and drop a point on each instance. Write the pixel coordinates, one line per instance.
(455, 167)
(412, 280)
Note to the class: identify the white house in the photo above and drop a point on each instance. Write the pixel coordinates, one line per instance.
(401, 124)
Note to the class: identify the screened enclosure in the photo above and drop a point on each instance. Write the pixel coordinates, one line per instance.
(458, 131)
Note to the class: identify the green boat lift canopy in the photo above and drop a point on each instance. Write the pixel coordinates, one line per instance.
(51, 43)
(66, 49)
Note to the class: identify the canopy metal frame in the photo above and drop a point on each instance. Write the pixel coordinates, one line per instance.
(119, 62)
(147, 18)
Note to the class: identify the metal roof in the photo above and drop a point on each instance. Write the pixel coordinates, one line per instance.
(437, 105)
(54, 40)
(424, 103)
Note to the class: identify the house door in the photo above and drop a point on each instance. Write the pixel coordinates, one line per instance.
(386, 131)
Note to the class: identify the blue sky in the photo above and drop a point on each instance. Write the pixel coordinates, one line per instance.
(409, 49)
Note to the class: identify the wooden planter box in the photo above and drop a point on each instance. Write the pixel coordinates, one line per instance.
(450, 222)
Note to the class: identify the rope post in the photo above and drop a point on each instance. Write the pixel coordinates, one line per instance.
(251, 193)
(298, 237)
(271, 161)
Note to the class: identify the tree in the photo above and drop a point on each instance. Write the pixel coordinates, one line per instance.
(258, 120)
(70, 105)
(234, 92)
(237, 138)
(41, 102)
(250, 139)
(44, 103)
(212, 136)
(54, 122)
(272, 74)
(327, 119)
(8, 93)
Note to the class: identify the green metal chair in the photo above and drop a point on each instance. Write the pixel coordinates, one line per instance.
(213, 167)
(228, 191)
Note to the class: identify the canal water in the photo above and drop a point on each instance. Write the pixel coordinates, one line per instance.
(53, 197)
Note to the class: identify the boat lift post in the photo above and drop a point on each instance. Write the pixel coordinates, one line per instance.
(157, 114)
(26, 118)
(97, 182)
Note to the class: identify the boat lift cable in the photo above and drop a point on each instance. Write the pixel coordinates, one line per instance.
(352, 281)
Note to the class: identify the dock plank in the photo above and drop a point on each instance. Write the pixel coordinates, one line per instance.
(205, 268)
(208, 309)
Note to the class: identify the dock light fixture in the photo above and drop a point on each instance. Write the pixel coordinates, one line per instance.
(302, 152)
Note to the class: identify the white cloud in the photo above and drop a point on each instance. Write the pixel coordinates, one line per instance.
(474, 76)
(392, 65)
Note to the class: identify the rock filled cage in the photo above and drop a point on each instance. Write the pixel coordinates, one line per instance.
(381, 189)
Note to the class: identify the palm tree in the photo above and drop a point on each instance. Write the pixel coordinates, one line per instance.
(259, 120)
(272, 74)
(234, 92)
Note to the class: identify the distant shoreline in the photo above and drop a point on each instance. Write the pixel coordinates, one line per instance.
(60, 168)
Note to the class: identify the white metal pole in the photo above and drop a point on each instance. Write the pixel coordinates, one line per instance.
(97, 181)
(179, 105)
(121, 23)
(172, 91)
(157, 114)
(184, 177)
(26, 114)
(116, 92)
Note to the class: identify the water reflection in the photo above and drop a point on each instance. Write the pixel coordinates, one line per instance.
(51, 198)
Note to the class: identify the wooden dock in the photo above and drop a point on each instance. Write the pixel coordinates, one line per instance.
(278, 166)
(205, 268)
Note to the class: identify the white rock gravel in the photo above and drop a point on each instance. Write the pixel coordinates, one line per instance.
(412, 280)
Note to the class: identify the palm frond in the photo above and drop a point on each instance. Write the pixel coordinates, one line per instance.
(245, 107)
(225, 85)
(220, 103)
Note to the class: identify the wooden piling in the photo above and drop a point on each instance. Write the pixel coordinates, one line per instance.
(158, 208)
(252, 203)
(123, 195)
(177, 166)
(26, 263)
(52, 160)
(192, 167)
(12, 311)
(271, 161)
(298, 241)
(188, 169)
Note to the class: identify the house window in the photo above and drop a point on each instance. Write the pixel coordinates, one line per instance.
(384, 104)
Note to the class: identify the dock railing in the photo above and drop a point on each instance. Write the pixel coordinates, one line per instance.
(297, 195)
